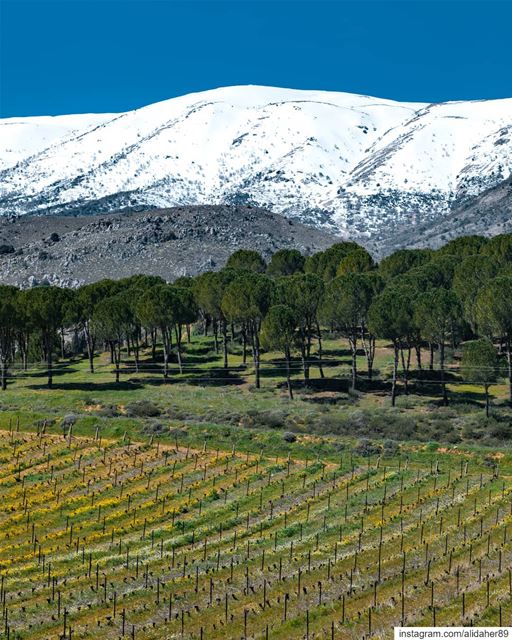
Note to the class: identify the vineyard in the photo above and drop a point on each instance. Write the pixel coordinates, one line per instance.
(116, 538)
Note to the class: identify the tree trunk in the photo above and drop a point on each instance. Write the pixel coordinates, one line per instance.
(244, 346)
(288, 381)
(225, 342)
(487, 403)
(405, 370)
(418, 355)
(216, 336)
(24, 356)
(353, 347)
(3, 374)
(50, 366)
(308, 349)
(188, 334)
(509, 371)
(256, 357)
(441, 366)
(303, 356)
(62, 345)
(117, 359)
(369, 350)
(153, 344)
(395, 374)
(90, 347)
(178, 346)
(431, 361)
(165, 344)
(320, 351)
(136, 351)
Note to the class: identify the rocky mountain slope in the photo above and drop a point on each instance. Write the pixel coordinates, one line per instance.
(363, 167)
(70, 251)
(489, 214)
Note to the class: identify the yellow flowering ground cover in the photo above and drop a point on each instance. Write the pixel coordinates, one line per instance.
(110, 539)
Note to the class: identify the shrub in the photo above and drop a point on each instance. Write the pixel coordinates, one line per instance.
(288, 436)
(501, 430)
(142, 409)
(155, 428)
(108, 411)
(69, 420)
(367, 448)
(391, 448)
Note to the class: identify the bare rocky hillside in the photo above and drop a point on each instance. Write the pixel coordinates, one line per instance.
(70, 251)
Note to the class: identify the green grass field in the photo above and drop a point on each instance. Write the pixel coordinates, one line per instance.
(202, 507)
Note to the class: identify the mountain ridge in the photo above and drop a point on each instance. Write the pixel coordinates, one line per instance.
(362, 167)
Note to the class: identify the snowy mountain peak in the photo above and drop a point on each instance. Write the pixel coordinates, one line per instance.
(354, 163)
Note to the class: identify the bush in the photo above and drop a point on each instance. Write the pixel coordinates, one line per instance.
(155, 428)
(178, 433)
(391, 448)
(142, 409)
(501, 430)
(367, 448)
(69, 420)
(270, 419)
(108, 411)
(5, 249)
(288, 436)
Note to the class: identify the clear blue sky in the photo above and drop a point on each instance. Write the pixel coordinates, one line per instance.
(72, 56)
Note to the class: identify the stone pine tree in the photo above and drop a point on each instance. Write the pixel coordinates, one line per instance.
(479, 365)
(246, 260)
(472, 273)
(278, 333)
(303, 293)
(209, 292)
(357, 261)
(437, 312)
(184, 312)
(391, 317)
(246, 302)
(286, 262)
(154, 311)
(85, 303)
(494, 317)
(346, 304)
(111, 323)
(325, 263)
(402, 261)
(45, 309)
(8, 319)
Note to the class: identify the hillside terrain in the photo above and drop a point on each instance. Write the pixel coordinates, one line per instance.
(487, 214)
(73, 250)
(363, 167)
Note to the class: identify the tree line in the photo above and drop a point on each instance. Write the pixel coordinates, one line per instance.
(414, 298)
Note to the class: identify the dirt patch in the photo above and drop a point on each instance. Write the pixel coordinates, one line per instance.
(92, 407)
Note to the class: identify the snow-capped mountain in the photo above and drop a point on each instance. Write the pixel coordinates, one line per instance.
(359, 165)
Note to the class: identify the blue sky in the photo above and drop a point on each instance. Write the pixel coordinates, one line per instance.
(112, 55)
